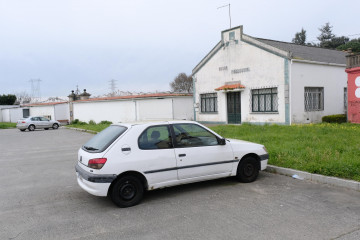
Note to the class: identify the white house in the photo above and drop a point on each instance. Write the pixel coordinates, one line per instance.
(134, 108)
(251, 80)
(10, 113)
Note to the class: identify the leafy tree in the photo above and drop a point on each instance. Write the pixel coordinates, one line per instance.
(326, 35)
(300, 37)
(182, 83)
(354, 44)
(7, 99)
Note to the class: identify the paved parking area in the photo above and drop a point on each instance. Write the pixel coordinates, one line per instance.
(40, 199)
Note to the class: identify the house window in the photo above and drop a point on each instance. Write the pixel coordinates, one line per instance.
(314, 99)
(264, 100)
(231, 35)
(208, 102)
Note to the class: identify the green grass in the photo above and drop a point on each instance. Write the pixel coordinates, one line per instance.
(94, 127)
(4, 125)
(327, 149)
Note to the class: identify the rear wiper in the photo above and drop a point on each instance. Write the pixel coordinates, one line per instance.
(90, 148)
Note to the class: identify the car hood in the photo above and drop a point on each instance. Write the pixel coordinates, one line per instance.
(236, 142)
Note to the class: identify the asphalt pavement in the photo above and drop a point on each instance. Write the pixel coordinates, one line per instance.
(40, 199)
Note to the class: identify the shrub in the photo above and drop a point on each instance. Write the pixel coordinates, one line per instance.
(338, 118)
(105, 122)
(92, 122)
(76, 121)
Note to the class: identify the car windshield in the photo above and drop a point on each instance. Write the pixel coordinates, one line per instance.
(104, 139)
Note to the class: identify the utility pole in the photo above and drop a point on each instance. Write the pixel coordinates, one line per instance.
(35, 89)
(227, 5)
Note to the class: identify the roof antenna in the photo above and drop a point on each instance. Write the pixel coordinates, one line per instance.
(227, 5)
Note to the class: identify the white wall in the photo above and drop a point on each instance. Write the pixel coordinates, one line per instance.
(266, 71)
(154, 109)
(62, 112)
(114, 111)
(332, 78)
(43, 111)
(133, 110)
(183, 108)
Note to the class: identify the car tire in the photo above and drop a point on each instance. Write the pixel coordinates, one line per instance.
(127, 191)
(55, 126)
(23, 130)
(248, 169)
(46, 128)
(31, 127)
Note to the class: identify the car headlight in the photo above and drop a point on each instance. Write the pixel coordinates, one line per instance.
(265, 149)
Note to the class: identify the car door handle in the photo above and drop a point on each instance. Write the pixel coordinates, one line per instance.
(182, 155)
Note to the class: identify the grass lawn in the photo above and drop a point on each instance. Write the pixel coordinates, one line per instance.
(4, 125)
(327, 149)
(94, 127)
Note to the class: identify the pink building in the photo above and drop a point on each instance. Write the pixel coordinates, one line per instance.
(353, 89)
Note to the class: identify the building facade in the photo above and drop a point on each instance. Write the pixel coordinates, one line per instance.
(353, 93)
(251, 80)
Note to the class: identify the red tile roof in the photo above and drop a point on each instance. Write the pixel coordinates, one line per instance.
(43, 104)
(154, 95)
(230, 87)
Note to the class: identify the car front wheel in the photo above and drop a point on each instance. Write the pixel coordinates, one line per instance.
(55, 126)
(127, 191)
(248, 169)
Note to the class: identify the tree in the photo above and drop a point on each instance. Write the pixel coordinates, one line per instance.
(354, 44)
(23, 97)
(300, 37)
(7, 99)
(182, 83)
(326, 36)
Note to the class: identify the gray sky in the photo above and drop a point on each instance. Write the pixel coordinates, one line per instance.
(141, 44)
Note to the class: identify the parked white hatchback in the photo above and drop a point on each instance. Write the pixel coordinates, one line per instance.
(124, 160)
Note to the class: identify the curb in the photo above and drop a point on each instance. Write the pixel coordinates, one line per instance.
(334, 181)
(82, 130)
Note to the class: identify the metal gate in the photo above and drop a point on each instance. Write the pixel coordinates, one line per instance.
(234, 107)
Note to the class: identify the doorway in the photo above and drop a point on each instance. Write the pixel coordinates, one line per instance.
(234, 107)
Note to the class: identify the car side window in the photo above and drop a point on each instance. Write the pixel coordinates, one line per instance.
(192, 135)
(156, 137)
(35, 119)
(44, 119)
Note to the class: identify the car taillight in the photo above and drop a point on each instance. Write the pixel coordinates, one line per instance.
(97, 163)
(23, 122)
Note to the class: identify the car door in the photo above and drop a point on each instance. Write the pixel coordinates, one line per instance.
(45, 123)
(198, 152)
(36, 121)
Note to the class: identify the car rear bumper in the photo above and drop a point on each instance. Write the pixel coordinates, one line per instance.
(95, 184)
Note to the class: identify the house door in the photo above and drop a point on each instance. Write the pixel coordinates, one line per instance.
(234, 107)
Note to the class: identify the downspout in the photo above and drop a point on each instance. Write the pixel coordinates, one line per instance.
(194, 97)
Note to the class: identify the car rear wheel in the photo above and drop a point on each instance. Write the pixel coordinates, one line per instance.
(23, 130)
(127, 191)
(46, 128)
(55, 126)
(31, 127)
(248, 169)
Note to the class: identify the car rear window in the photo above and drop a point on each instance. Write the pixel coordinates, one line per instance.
(104, 139)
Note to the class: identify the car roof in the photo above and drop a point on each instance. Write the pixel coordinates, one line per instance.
(149, 123)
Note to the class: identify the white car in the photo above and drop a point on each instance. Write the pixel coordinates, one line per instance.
(124, 160)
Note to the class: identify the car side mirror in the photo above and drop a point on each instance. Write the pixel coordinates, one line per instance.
(222, 141)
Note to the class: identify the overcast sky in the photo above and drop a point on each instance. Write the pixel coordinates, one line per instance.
(141, 44)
